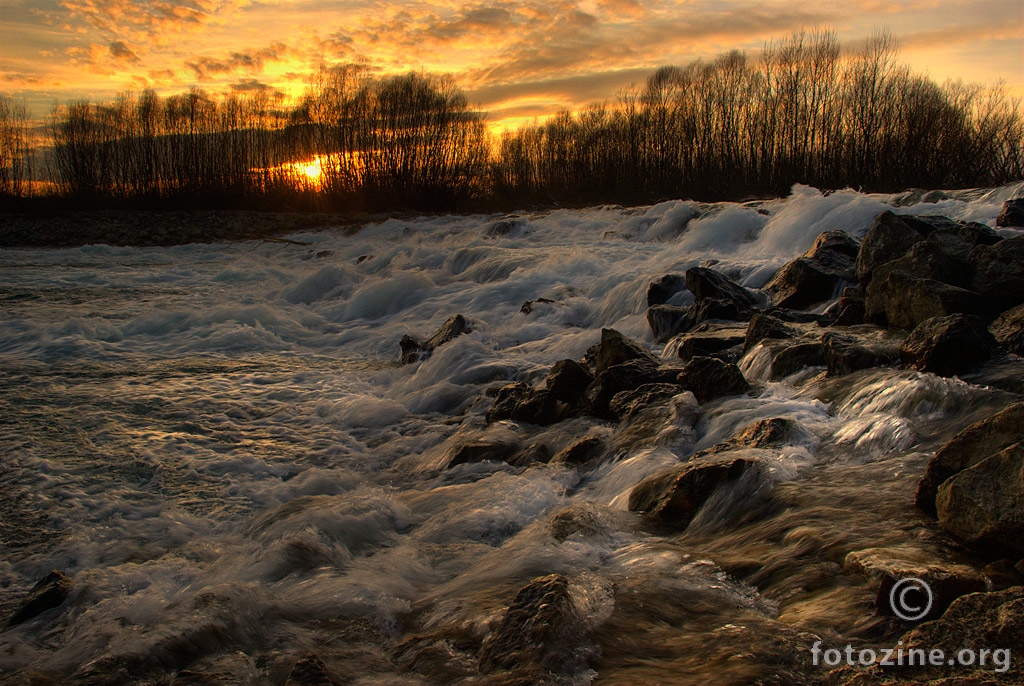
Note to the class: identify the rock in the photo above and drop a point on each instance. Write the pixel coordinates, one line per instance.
(614, 349)
(1008, 330)
(533, 453)
(659, 292)
(412, 350)
(997, 272)
(924, 260)
(851, 307)
(845, 355)
(522, 403)
(888, 566)
(764, 326)
(310, 670)
(666, 321)
(567, 381)
(578, 520)
(528, 306)
(675, 495)
(816, 275)
(978, 441)
(537, 629)
(912, 300)
(503, 227)
(707, 284)
(948, 346)
(983, 505)
(958, 240)
(48, 593)
(1012, 213)
(709, 378)
(791, 359)
(709, 342)
(768, 433)
(888, 239)
(625, 377)
(580, 452)
(479, 452)
(625, 404)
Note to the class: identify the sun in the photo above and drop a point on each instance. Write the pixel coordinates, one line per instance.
(313, 171)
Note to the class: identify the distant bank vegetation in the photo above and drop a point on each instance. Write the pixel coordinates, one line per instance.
(805, 111)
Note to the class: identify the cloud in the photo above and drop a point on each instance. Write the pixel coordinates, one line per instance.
(153, 20)
(251, 61)
(120, 51)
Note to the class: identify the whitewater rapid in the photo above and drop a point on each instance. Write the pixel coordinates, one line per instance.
(217, 443)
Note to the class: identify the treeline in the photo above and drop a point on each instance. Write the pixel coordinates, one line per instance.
(733, 127)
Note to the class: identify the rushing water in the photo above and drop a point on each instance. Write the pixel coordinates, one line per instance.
(218, 444)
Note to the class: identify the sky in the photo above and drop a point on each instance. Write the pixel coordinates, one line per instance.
(517, 60)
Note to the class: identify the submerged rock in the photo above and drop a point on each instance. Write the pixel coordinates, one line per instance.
(948, 346)
(310, 670)
(976, 442)
(48, 593)
(816, 275)
(413, 350)
(580, 452)
(627, 403)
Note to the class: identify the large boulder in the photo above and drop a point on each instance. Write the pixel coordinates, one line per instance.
(948, 346)
(708, 340)
(674, 496)
(614, 349)
(790, 358)
(845, 354)
(52, 590)
(1012, 214)
(626, 404)
(580, 452)
(567, 381)
(978, 441)
(983, 505)
(888, 239)
(997, 272)
(959, 239)
(1008, 330)
(667, 320)
(709, 378)
(816, 275)
(522, 403)
(911, 300)
(764, 326)
(625, 377)
(659, 292)
(706, 283)
(924, 260)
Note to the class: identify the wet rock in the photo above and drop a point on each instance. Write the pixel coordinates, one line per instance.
(845, 354)
(567, 381)
(614, 349)
(707, 341)
(1008, 330)
(529, 306)
(536, 631)
(924, 260)
(790, 359)
(888, 566)
(576, 521)
(659, 292)
(975, 443)
(627, 403)
(674, 496)
(851, 307)
(709, 378)
(666, 321)
(533, 453)
(504, 227)
(764, 326)
(48, 593)
(997, 272)
(523, 403)
(958, 240)
(912, 300)
(580, 452)
(708, 284)
(479, 452)
(983, 505)
(1012, 213)
(948, 346)
(888, 239)
(412, 350)
(816, 275)
(625, 377)
(442, 656)
(768, 433)
(310, 670)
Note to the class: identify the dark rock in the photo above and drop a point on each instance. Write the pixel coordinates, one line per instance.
(614, 349)
(1012, 214)
(627, 403)
(948, 346)
(815, 276)
(522, 403)
(709, 378)
(580, 452)
(912, 300)
(537, 628)
(959, 239)
(924, 260)
(533, 453)
(845, 355)
(767, 433)
(625, 377)
(983, 505)
(412, 350)
(706, 343)
(851, 307)
(659, 292)
(666, 321)
(567, 381)
(529, 305)
(1008, 330)
(764, 326)
(975, 443)
(48, 593)
(310, 670)
(790, 359)
(479, 452)
(997, 272)
(504, 227)
(577, 520)
(888, 566)
(675, 495)
(707, 284)
(888, 239)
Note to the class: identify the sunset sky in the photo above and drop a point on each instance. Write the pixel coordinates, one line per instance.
(516, 59)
